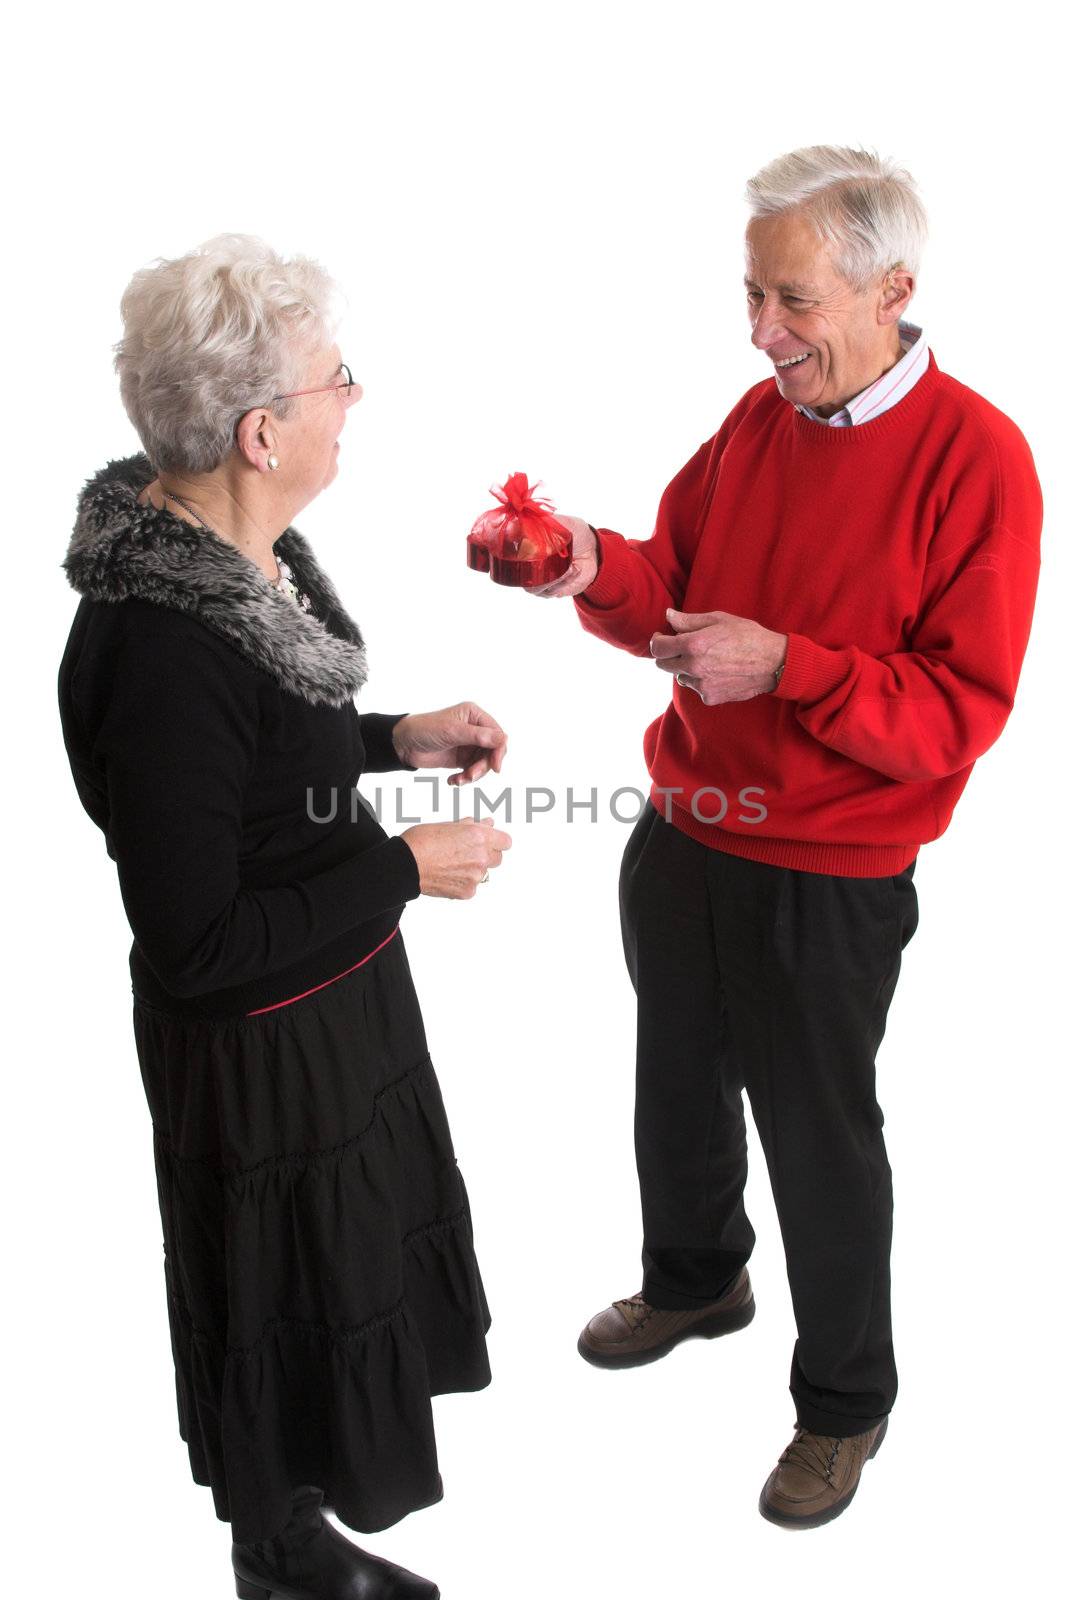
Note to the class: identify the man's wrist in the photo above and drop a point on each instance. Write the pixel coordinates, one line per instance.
(779, 669)
(597, 552)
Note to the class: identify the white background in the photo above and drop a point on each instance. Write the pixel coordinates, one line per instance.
(537, 214)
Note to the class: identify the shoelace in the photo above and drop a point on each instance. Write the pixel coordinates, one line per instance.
(814, 1451)
(634, 1303)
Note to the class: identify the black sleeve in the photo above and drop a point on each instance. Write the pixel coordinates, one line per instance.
(376, 730)
(177, 744)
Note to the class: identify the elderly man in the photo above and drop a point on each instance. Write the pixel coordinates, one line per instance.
(841, 584)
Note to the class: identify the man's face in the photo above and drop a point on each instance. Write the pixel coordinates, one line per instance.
(799, 306)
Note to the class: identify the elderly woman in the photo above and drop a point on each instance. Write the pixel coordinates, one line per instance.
(318, 1258)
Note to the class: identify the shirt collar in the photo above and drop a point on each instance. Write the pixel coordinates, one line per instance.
(914, 343)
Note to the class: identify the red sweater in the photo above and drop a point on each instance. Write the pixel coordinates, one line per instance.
(901, 558)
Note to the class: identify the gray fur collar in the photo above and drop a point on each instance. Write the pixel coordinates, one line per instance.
(120, 549)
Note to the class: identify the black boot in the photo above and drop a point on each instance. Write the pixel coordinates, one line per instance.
(310, 1560)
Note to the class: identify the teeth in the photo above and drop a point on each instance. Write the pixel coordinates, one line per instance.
(791, 361)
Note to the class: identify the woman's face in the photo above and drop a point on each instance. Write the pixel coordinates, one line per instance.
(308, 445)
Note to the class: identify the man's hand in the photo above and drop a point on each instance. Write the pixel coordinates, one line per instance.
(719, 656)
(458, 736)
(583, 567)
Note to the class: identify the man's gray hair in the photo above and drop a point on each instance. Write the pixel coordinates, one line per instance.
(865, 208)
(212, 334)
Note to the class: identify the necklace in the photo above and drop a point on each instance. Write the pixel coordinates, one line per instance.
(283, 583)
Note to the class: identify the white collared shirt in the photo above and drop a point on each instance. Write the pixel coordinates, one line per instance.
(886, 390)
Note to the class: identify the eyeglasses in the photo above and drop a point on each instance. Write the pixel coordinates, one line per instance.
(348, 389)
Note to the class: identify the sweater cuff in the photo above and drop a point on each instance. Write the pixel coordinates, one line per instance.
(811, 670)
(406, 867)
(375, 729)
(608, 588)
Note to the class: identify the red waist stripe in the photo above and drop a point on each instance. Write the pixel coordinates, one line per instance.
(292, 1000)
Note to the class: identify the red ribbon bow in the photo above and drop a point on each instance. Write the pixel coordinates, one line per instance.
(521, 500)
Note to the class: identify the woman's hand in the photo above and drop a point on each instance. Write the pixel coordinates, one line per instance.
(583, 567)
(454, 857)
(454, 737)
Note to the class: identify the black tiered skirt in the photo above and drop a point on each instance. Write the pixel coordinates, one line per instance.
(318, 1256)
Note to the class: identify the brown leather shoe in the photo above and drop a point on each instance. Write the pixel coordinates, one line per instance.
(816, 1477)
(631, 1332)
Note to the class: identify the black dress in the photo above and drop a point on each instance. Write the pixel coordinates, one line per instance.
(320, 1270)
(317, 1247)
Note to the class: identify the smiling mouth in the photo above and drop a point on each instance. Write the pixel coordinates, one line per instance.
(789, 362)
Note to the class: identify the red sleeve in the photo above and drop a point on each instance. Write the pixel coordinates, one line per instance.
(932, 710)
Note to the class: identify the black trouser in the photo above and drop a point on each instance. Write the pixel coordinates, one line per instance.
(776, 981)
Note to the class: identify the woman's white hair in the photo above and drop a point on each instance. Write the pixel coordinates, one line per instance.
(212, 334)
(865, 208)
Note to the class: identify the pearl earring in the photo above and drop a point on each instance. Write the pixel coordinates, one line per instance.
(272, 462)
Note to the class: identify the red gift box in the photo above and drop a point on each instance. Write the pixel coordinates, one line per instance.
(519, 542)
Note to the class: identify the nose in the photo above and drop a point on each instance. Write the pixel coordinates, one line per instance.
(764, 327)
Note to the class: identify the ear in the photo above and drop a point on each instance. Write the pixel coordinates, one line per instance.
(257, 436)
(897, 291)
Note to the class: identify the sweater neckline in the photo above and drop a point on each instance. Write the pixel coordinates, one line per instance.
(865, 432)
